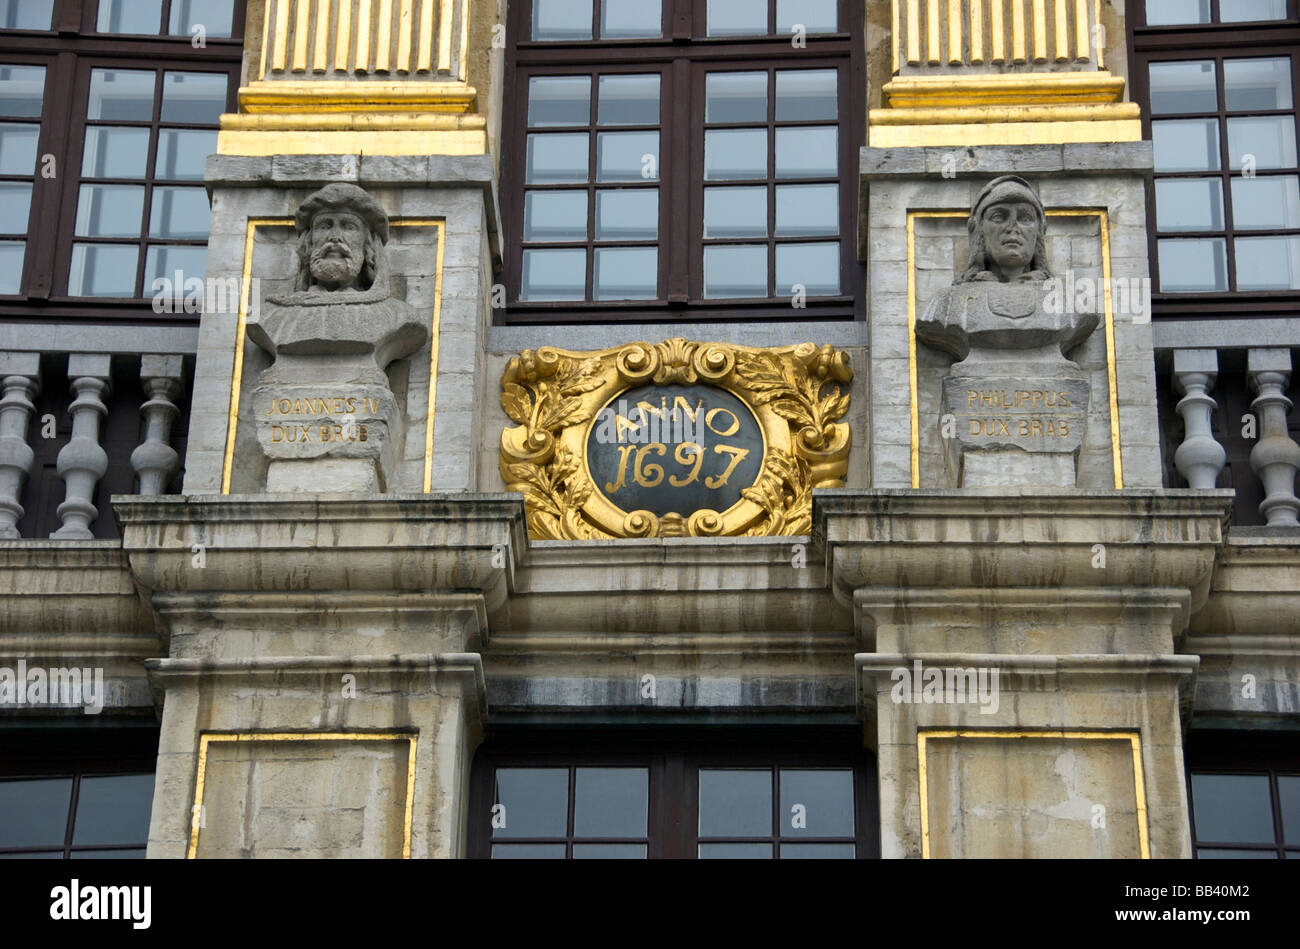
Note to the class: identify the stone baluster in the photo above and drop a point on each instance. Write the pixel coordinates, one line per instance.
(83, 461)
(154, 460)
(1199, 458)
(19, 383)
(1276, 457)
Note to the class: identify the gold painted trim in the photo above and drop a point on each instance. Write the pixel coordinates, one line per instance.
(1040, 89)
(1011, 114)
(954, 31)
(1133, 737)
(1103, 218)
(343, 42)
(913, 31)
(444, 36)
(310, 96)
(999, 32)
(237, 375)
(392, 140)
(462, 68)
(1062, 51)
(196, 813)
(1040, 31)
(424, 61)
(1004, 133)
(384, 36)
(896, 37)
(404, 24)
(1082, 39)
(976, 32)
(1100, 47)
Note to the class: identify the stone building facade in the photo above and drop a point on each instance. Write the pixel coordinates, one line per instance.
(718, 428)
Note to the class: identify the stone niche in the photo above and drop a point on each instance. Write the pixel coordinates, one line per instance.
(1012, 377)
(336, 355)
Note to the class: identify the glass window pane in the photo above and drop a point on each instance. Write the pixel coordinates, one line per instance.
(555, 216)
(1268, 263)
(1288, 788)
(735, 803)
(627, 215)
(815, 16)
(557, 158)
(109, 854)
(807, 152)
(102, 270)
(611, 802)
(1193, 266)
(1186, 145)
(175, 264)
(554, 275)
(818, 851)
(628, 100)
(1238, 11)
(735, 154)
(559, 100)
(195, 98)
(1269, 139)
(26, 14)
(1232, 808)
(735, 851)
(1189, 204)
(180, 213)
(129, 16)
(814, 267)
(215, 17)
(609, 851)
(1257, 85)
(631, 19)
(115, 152)
(627, 273)
(735, 272)
(182, 153)
(735, 212)
(528, 851)
(34, 813)
(627, 156)
(110, 210)
(1272, 202)
(824, 798)
(561, 20)
(121, 94)
(11, 279)
(535, 801)
(113, 809)
(15, 206)
(18, 148)
(1183, 87)
(806, 95)
(1171, 12)
(737, 17)
(807, 210)
(46, 855)
(735, 97)
(22, 89)
(1205, 853)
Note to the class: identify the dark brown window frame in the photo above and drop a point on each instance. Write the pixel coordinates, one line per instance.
(674, 762)
(1217, 41)
(680, 57)
(1246, 753)
(68, 52)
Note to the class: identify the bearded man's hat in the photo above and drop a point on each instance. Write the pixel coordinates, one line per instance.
(340, 196)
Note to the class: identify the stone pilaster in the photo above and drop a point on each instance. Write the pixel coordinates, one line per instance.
(1276, 457)
(83, 461)
(1199, 458)
(155, 461)
(20, 379)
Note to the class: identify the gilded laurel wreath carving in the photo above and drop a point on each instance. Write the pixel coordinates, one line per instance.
(797, 394)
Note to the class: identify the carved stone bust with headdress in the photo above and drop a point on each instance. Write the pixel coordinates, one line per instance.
(997, 305)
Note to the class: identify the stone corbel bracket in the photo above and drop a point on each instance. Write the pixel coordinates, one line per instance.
(797, 393)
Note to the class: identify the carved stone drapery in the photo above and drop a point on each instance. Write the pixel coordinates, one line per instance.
(1199, 458)
(19, 382)
(154, 460)
(83, 461)
(1276, 457)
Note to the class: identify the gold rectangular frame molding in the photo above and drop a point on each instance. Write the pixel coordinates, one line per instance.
(205, 739)
(1104, 220)
(1133, 737)
(237, 376)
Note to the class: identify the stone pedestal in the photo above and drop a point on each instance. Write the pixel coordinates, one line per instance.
(323, 693)
(1020, 674)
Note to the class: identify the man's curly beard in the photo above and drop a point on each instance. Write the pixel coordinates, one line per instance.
(342, 267)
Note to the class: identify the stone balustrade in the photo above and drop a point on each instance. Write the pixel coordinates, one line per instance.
(38, 448)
